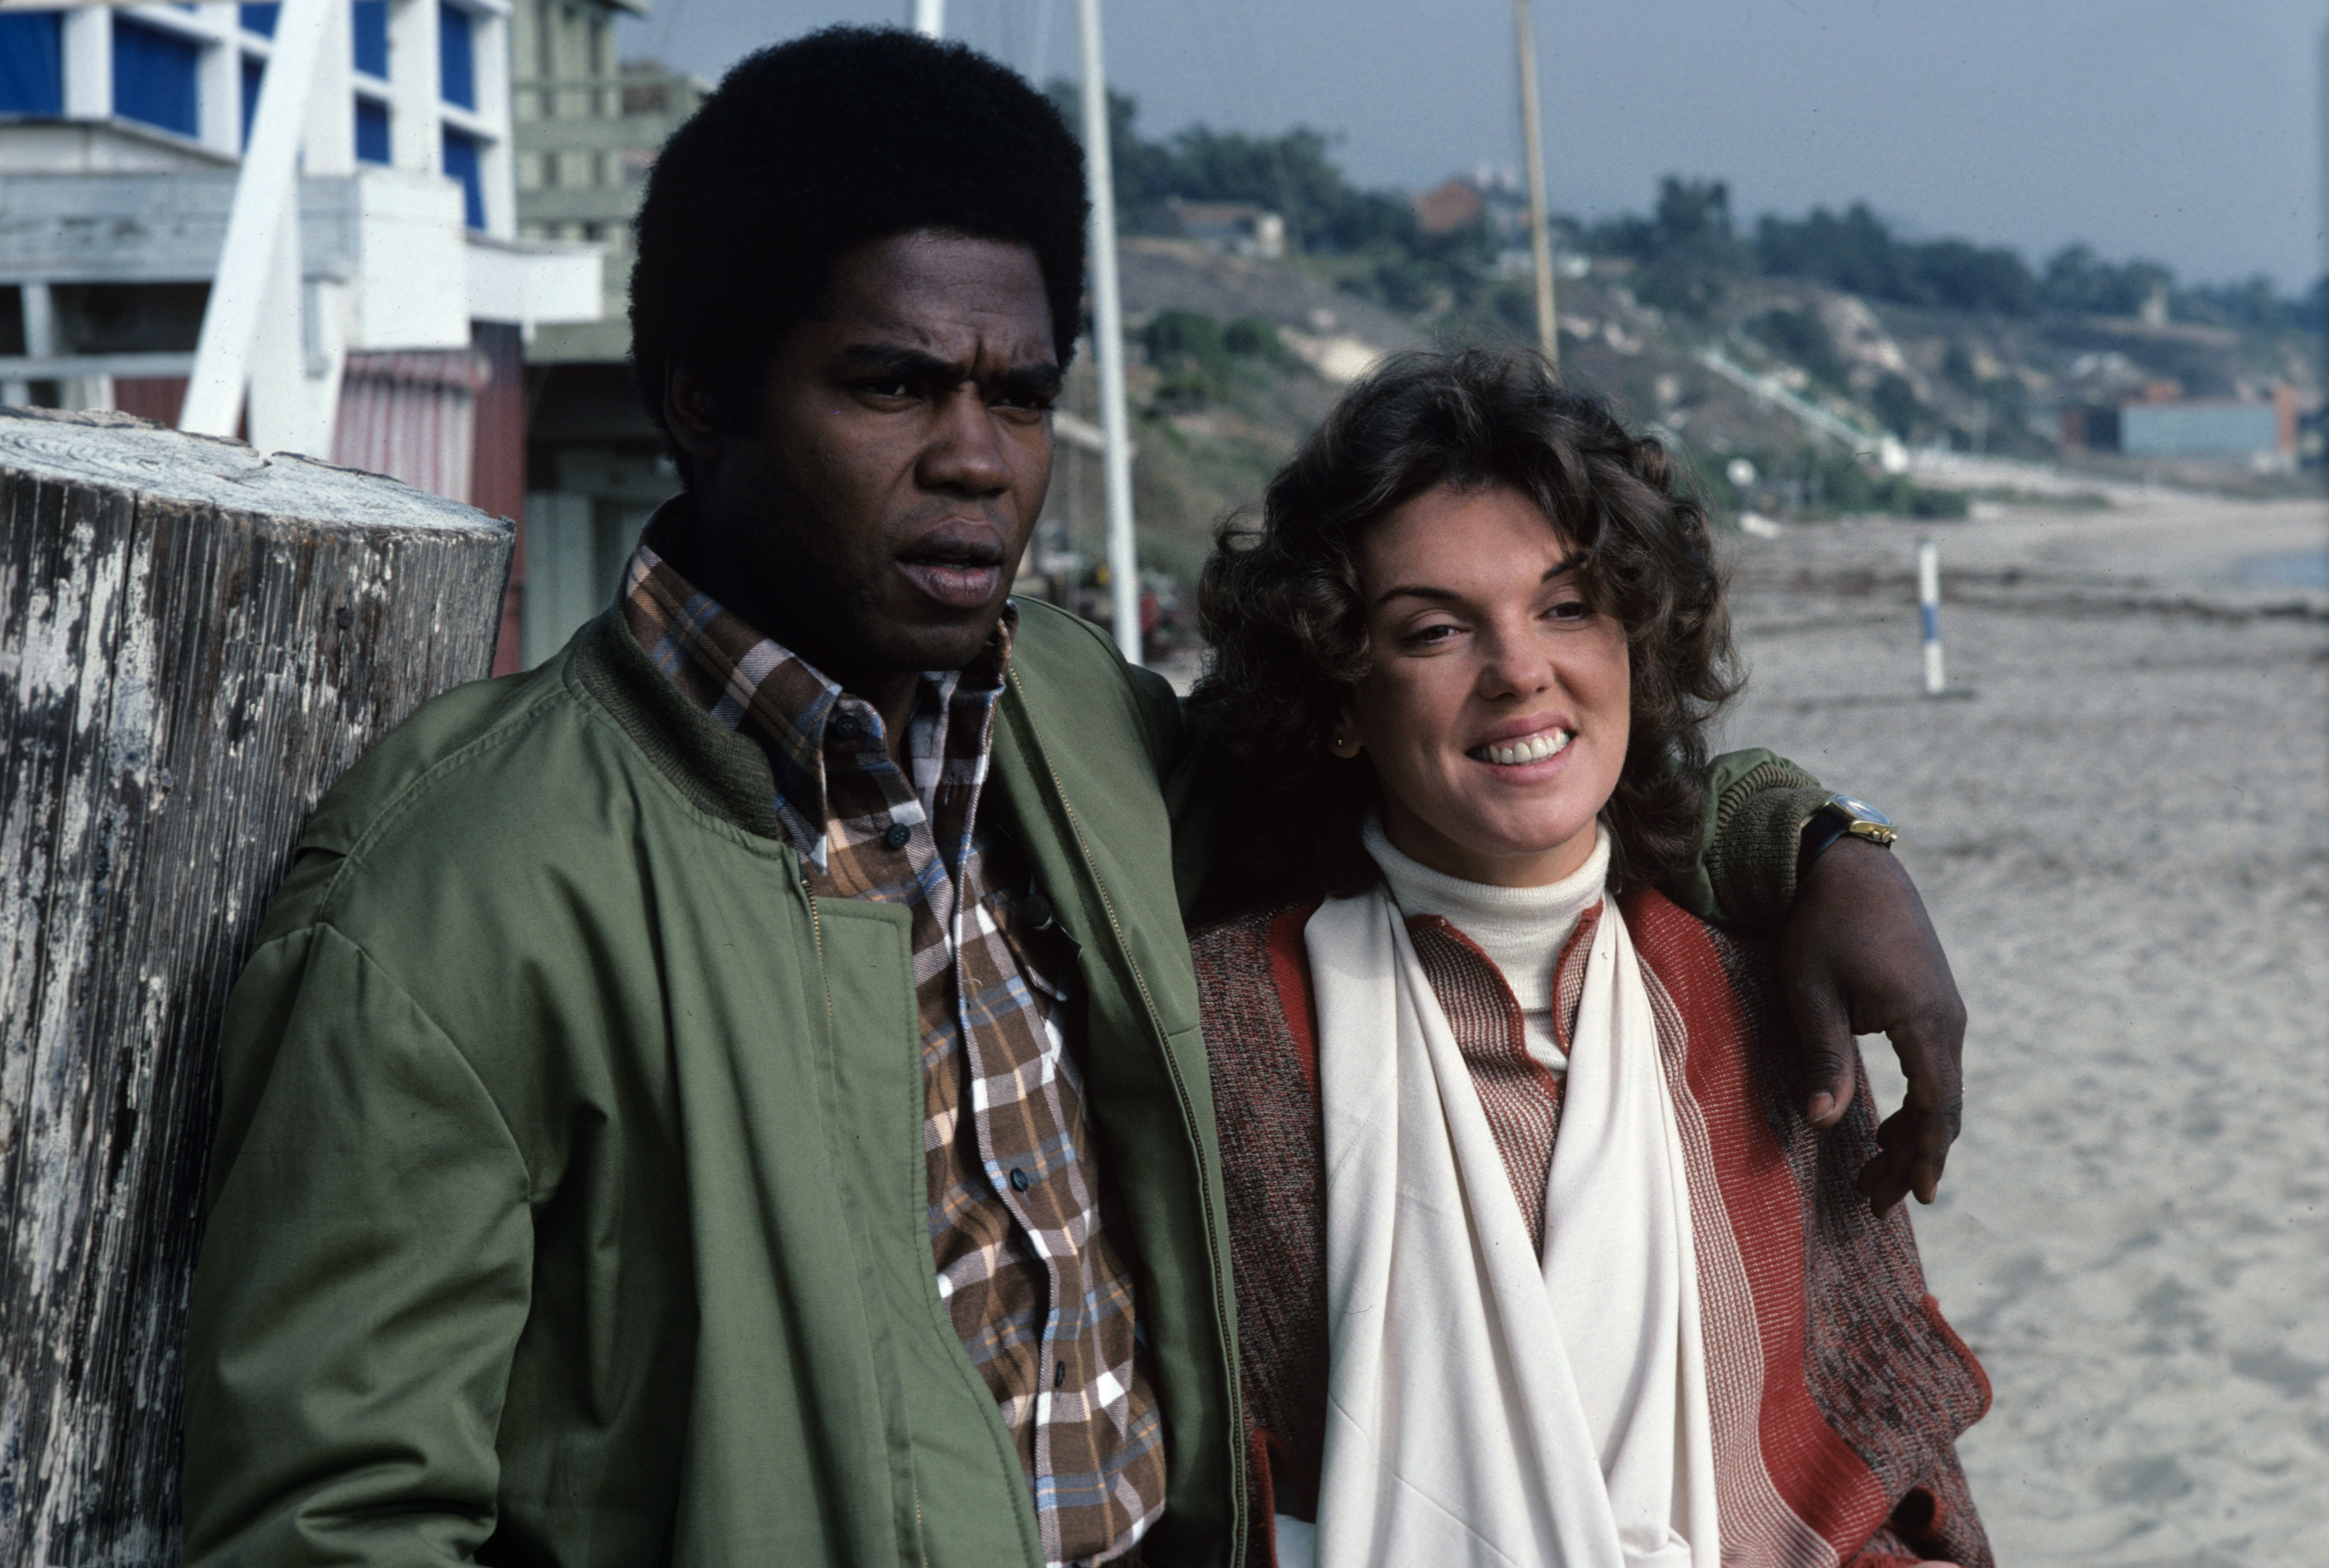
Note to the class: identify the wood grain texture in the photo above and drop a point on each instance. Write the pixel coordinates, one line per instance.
(195, 639)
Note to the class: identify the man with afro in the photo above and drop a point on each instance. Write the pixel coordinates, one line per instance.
(734, 1094)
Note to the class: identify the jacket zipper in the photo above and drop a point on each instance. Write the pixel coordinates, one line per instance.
(1224, 1310)
(832, 1033)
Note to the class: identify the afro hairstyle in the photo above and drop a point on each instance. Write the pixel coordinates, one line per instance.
(810, 148)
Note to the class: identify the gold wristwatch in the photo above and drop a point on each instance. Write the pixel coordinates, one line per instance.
(1838, 816)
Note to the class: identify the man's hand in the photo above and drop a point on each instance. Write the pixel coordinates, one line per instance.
(1859, 957)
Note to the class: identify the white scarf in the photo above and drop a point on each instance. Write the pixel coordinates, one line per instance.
(1483, 1409)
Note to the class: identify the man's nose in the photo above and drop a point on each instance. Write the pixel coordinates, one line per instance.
(965, 454)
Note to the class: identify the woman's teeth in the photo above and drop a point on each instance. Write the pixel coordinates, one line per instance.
(1534, 748)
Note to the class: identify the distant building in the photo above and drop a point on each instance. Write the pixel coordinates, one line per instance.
(2091, 428)
(2160, 422)
(1449, 207)
(586, 130)
(1239, 228)
(121, 132)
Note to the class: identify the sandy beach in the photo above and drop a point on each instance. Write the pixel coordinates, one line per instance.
(2120, 821)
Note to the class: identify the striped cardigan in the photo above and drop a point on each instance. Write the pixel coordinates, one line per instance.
(1838, 1391)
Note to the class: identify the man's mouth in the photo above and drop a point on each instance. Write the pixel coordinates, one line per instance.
(959, 570)
(1523, 750)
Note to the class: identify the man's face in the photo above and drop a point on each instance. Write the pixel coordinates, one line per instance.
(871, 515)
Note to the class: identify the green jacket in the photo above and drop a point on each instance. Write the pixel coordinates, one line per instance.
(569, 1194)
(569, 1185)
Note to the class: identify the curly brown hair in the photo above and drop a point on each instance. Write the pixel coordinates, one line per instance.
(1280, 606)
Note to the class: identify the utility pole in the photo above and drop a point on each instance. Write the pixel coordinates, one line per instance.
(1107, 342)
(1548, 329)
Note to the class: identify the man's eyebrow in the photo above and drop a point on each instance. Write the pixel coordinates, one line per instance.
(1561, 567)
(1039, 378)
(897, 360)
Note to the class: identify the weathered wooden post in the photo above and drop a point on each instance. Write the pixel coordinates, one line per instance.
(195, 639)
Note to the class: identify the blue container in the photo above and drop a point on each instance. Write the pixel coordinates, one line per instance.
(2198, 429)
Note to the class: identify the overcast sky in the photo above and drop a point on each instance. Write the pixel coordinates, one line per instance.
(2186, 130)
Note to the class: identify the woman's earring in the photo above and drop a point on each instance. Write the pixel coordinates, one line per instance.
(1342, 746)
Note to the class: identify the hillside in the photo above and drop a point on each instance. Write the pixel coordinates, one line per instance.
(1218, 404)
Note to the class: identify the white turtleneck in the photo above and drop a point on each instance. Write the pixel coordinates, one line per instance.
(1521, 929)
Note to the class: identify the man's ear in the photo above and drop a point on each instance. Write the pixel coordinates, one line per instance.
(691, 413)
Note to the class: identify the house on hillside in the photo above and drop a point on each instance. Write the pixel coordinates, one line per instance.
(401, 348)
(1238, 227)
(1448, 206)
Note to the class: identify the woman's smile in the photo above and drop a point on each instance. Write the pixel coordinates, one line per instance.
(1517, 753)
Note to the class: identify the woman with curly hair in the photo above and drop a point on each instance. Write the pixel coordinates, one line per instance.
(1538, 1260)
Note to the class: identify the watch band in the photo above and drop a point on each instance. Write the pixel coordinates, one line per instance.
(1838, 816)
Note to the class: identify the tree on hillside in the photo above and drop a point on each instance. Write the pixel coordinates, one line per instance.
(2256, 304)
(1857, 252)
(1688, 249)
(2077, 281)
(1293, 174)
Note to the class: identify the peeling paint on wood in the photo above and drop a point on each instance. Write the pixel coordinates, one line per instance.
(195, 639)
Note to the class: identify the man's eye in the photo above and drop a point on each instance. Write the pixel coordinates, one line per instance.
(1569, 610)
(886, 387)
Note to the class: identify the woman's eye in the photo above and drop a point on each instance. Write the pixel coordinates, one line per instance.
(1569, 610)
(1425, 636)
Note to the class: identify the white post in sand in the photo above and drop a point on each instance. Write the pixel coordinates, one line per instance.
(930, 18)
(1928, 601)
(1108, 343)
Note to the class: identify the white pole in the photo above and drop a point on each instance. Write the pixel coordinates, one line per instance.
(266, 199)
(930, 18)
(1548, 327)
(1928, 600)
(1108, 343)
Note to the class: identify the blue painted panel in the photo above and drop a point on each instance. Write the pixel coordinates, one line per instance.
(254, 72)
(463, 163)
(32, 64)
(153, 76)
(456, 57)
(260, 19)
(372, 131)
(368, 27)
(2198, 429)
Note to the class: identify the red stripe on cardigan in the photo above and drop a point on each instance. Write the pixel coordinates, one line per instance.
(1820, 1478)
(1289, 968)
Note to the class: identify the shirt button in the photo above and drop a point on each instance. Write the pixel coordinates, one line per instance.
(847, 727)
(897, 836)
(1018, 1179)
(1059, 1373)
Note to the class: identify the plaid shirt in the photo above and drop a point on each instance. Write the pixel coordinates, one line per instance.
(1020, 1227)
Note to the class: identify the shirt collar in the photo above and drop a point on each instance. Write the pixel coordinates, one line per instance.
(754, 685)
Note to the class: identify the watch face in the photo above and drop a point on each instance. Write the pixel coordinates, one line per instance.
(1863, 810)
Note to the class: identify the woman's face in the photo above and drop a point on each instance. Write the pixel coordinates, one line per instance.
(1496, 713)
